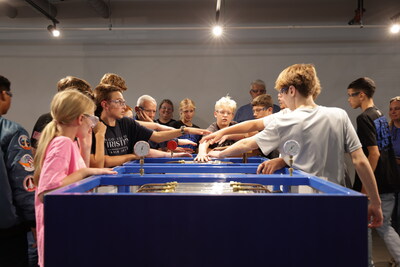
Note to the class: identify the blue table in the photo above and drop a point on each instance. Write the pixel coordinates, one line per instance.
(328, 228)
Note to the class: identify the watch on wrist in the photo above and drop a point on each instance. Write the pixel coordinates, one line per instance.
(183, 130)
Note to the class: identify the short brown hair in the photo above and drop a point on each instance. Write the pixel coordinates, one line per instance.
(115, 80)
(71, 81)
(169, 102)
(103, 92)
(303, 77)
(264, 100)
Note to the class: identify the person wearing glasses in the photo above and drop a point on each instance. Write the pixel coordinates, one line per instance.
(63, 152)
(66, 82)
(165, 112)
(394, 124)
(122, 133)
(145, 112)
(17, 212)
(223, 112)
(146, 108)
(324, 135)
(262, 106)
(118, 81)
(245, 112)
(373, 131)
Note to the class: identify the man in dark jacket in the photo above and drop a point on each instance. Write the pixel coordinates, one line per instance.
(17, 214)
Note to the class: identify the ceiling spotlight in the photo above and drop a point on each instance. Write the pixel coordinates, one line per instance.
(53, 30)
(217, 30)
(395, 28)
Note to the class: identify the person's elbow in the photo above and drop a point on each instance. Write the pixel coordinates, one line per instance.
(96, 162)
(359, 159)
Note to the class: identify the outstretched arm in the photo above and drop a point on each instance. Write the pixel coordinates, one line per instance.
(155, 126)
(202, 153)
(239, 147)
(154, 153)
(243, 127)
(367, 177)
(159, 137)
(112, 161)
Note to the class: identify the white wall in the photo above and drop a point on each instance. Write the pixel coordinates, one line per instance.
(201, 71)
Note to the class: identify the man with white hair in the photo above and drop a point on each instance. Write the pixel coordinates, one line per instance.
(146, 108)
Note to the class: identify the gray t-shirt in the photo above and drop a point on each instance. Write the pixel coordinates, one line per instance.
(213, 128)
(324, 135)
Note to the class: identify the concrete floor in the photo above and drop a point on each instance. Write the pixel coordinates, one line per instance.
(380, 254)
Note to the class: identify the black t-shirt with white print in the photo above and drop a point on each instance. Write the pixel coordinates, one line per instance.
(120, 139)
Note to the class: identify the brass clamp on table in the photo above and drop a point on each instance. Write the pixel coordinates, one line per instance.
(256, 188)
(158, 188)
(141, 149)
(292, 148)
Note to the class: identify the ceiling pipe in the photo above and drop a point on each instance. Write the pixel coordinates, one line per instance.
(100, 7)
(44, 7)
(288, 27)
(8, 10)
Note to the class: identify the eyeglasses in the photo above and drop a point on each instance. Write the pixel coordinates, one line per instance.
(93, 119)
(120, 102)
(165, 108)
(8, 93)
(147, 110)
(353, 94)
(256, 110)
(256, 91)
(222, 112)
(284, 90)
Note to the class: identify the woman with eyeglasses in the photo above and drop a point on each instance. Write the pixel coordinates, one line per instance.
(63, 152)
(166, 112)
(394, 114)
(223, 112)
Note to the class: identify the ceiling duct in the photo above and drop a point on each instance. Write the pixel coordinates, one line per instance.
(8, 10)
(100, 7)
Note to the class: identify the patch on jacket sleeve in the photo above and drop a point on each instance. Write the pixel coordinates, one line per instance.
(27, 162)
(24, 142)
(29, 184)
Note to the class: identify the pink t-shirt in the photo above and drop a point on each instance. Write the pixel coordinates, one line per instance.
(61, 159)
